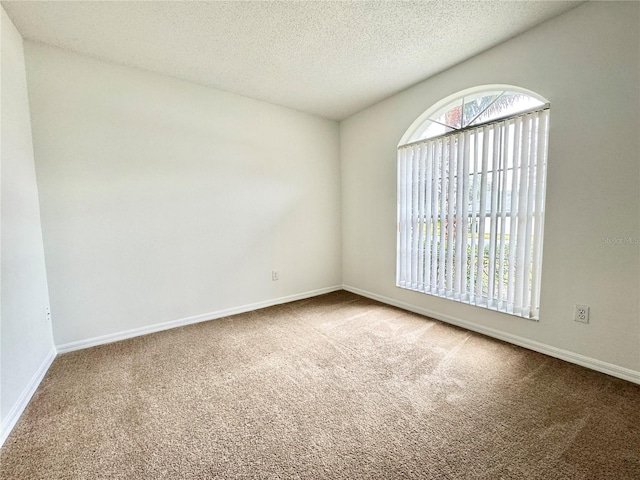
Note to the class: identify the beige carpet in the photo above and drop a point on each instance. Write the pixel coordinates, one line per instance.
(334, 387)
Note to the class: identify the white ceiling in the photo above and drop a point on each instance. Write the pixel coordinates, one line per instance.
(327, 58)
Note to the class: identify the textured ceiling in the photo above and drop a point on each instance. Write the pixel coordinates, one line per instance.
(327, 58)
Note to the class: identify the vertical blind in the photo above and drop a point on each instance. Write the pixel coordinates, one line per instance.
(471, 214)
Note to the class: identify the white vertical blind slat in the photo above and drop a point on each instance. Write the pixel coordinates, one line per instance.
(441, 218)
(434, 220)
(504, 170)
(482, 213)
(523, 185)
(533, 158)
(415, 162)
(461, 160)
(493, 228)
(421, 222)
(474, 212)
(408, 198)
(451, 204)
(465, 216)
(541, 174)
(402, 228)
(428, 215)
(515, 161)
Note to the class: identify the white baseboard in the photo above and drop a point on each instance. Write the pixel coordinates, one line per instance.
(158, 327)
(17, 409)
(588, 362)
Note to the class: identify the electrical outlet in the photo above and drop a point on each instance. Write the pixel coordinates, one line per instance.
(274, 275)
(581, 313)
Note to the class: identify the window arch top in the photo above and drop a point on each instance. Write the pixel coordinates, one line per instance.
(471, 108)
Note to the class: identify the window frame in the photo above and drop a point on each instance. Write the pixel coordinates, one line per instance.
(417, 129)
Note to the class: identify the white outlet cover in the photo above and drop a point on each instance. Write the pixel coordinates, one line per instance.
(581, 313)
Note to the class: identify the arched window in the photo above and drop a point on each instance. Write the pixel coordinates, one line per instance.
(471, 188)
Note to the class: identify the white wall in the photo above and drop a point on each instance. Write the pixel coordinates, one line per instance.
(586, 62)
(162, 199)
(26, 345)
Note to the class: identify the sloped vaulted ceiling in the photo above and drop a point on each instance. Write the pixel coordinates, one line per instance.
(327, 58)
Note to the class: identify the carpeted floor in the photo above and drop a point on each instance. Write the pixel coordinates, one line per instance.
(334, 387)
